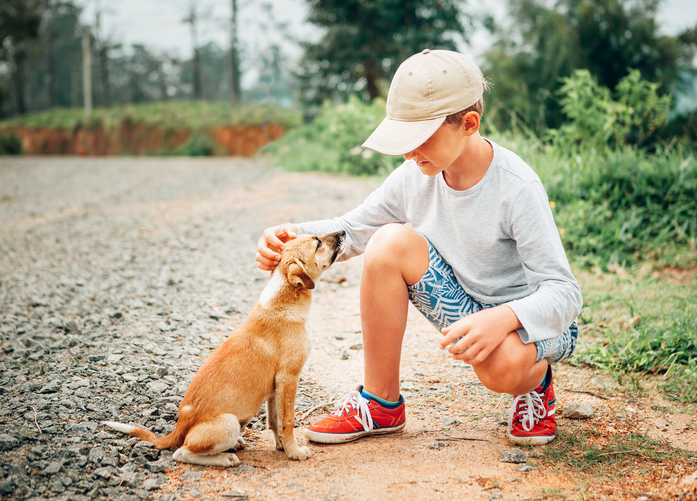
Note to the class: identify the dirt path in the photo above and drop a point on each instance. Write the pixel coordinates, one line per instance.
(164, 248)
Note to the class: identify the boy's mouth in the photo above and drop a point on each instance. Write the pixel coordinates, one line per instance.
(421, 164)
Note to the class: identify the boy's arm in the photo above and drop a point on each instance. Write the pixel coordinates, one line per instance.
(555, 301)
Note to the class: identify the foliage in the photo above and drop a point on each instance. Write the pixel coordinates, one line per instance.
(365, 42)
(578, 447)
(544, 43)
(332, 142)
(198, 145)
(19, 24)
(10, 145)
(596, 120)
(170, 115)
(642, 325)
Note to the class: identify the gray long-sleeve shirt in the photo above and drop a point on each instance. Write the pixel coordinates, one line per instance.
(499, 237)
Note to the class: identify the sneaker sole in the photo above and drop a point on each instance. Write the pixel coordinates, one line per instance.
(341, 438)
(538, 440)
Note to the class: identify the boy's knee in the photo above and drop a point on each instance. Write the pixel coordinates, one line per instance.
(399, 248)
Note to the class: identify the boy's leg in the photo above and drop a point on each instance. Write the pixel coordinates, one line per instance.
(511, 367)
(395, 258)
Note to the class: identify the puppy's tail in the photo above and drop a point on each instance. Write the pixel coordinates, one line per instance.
(173, 439)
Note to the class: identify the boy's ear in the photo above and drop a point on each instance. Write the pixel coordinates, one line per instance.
(470, 123)
(299, 278)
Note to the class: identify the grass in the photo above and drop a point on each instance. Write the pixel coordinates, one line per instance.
(635, 323)
(589, 450)
(193, 115)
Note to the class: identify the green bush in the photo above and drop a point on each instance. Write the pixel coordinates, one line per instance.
(191, 115)
(332, 141)
(199, 144)
(597, 121)
(10, 145)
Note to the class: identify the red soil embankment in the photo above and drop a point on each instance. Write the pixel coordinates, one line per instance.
(141, 139)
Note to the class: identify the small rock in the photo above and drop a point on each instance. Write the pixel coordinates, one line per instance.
(689, 479)
(151, 484)
(104, 472)
(194, 493)
(191, 475)
(450, 421)
(344, 355)
(575, 410)
(357, 346)
(524, 468)
(8, 442)
(535, 454)
(437, 445)
(496, 495)
(53, 468)
(513, 456)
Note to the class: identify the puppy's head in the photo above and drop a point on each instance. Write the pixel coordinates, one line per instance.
(306, 257)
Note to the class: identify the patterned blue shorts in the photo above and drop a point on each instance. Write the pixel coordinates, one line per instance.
(443, 301)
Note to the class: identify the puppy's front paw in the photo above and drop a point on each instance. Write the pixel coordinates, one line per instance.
(241, 444)
(232, 460)
(299, 454)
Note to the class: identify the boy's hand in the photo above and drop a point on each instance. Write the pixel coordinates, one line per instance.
(272, 243)
(481, 333)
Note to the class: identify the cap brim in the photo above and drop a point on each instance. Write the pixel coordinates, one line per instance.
(398, 137)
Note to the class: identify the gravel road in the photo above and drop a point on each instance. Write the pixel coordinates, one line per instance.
(117, 278)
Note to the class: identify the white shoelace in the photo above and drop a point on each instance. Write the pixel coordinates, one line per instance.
(532, 409)
(355, 401)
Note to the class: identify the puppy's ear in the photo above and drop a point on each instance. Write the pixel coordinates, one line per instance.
(298, 277)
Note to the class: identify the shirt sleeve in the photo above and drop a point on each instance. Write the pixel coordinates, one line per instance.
(385, 205)
(556, 299)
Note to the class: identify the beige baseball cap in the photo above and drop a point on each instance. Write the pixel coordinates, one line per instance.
(426, 88)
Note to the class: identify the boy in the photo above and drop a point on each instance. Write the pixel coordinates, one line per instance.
(482, 258)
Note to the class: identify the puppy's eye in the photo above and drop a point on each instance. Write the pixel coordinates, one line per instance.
(319, 243)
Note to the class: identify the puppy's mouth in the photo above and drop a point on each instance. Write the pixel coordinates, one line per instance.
(339, 247)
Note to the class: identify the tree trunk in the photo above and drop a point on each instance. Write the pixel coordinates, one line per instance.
(86, 74)
(371, 79)
(104, 75)
(233, 70)
(18, 80)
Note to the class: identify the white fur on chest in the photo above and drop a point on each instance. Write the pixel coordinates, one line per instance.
(268, 301)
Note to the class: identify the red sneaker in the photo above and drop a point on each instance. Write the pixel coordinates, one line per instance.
(532, 420)
(355, 416)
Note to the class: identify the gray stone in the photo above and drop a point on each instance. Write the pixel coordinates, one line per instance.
(8, 442)
(151, 484)
(104, 472)
(575, 410)
(524, 468)
(513, 456)
(53, 468)
(191, 475)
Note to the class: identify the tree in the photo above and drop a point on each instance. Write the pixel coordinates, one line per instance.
(19, 23)
(543, 44)
(366, 40)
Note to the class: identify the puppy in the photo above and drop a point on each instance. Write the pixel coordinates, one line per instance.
(260, 362)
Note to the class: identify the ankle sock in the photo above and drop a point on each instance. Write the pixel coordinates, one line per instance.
(381, 401)
(548, 375)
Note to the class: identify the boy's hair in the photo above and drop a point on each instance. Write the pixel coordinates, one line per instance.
(455, 119)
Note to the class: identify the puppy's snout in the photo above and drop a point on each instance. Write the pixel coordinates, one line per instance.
(335, 241)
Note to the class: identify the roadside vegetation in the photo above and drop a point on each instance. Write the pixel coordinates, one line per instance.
(197, 117)
(624, 203)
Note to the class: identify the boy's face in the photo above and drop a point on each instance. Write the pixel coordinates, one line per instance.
(440, 151)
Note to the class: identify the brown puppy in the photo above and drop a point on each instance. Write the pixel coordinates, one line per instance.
(260, 362)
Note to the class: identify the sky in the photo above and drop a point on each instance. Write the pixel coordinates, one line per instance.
(158, 23)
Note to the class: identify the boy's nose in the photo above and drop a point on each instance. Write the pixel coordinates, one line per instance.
(410, 155)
